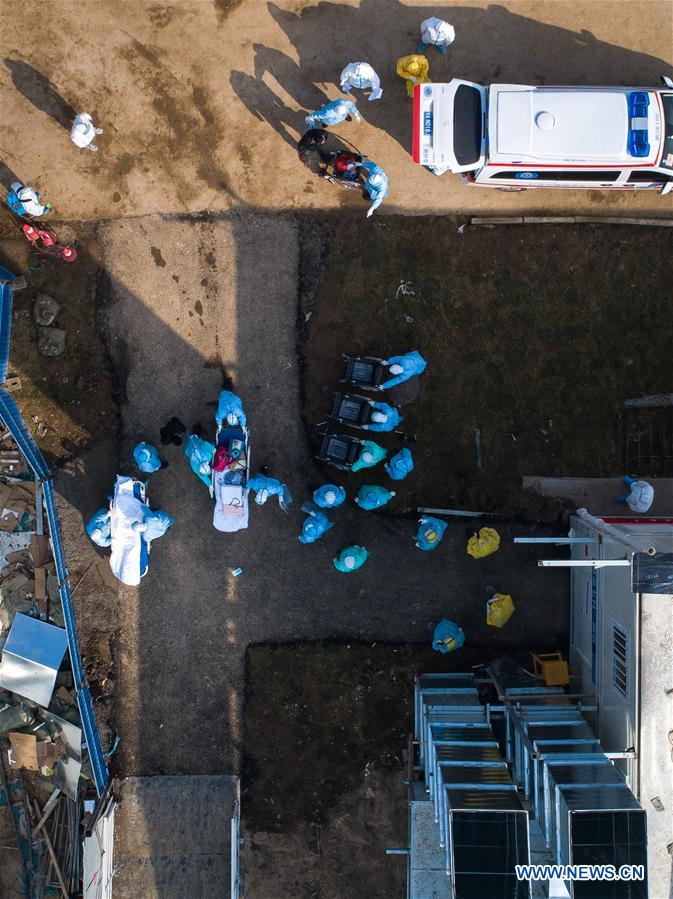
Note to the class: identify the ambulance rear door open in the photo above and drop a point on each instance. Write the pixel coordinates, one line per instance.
(450, 125)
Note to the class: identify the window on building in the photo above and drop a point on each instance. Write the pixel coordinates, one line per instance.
(620, 657)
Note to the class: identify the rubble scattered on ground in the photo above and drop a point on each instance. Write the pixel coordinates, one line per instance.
(45, 769)
(51, 341)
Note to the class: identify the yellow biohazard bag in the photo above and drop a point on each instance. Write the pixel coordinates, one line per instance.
(484, 543)
(499, 609)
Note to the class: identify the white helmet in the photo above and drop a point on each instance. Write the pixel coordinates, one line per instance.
(367, 456)
(262, 496)
(82, 127)
(376, 179)
(349, 561)
(396, 369)
(330, 497)
(96, 535)
(379, 417)
(232, 419)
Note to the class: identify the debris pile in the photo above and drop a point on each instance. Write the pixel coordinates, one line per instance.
(45, 772)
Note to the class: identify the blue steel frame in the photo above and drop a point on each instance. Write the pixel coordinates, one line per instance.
(13, 420)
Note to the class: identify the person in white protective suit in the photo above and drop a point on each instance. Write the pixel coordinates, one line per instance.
(83, 132)
(30, 199)
(362, 76)
(640, 496)
(436, 32)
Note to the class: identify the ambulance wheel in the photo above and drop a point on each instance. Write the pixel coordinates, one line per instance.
(512, 189)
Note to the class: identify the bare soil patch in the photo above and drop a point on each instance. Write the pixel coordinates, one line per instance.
(534, 335)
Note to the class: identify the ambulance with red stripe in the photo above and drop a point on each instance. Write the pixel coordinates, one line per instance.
(516, 136)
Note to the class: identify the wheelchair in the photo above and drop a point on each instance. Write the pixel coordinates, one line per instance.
(365, 372)
(340, 450)
(351, 409)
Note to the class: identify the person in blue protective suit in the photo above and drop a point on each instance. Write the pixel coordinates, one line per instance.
(400, 465)
(147, 458)
(376, 185)
(383, 418)
(332, 114)
(98, 528)
(329, 496)
(230, 411)
(447, 636)
(200, 454)
(156, 524)
(430, 532)
(264, 487)
(370, 496)
(402, 368)
(370, 455)
(350, 559)
(314, 527)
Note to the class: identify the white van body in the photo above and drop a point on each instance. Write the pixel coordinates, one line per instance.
(515, 136)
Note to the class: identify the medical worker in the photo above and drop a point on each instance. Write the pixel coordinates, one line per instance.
(350, 559)
(414, 69)
(98, 528)
(370, 455)
(384, 418)
(640, 496)
(147, 458)
(264, 487)
(28, 200)
(315, 526)
(400, 465)
(333, 114)
(156, 523)
(200, 454)
(448, 636)
(370, 497)
(230, 410)
(437, 33)
(430, 532)
(362, 76)
(83, 132)
(376, 184)
(402, 368)
(329, 496)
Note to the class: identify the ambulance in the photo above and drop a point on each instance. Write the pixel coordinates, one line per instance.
(517, 136)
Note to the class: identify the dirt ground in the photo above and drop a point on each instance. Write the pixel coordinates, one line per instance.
(323, 793)
(535, 336)
(71, 394)
(201, 101)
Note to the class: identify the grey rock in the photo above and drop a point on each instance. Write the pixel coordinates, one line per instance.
(45, 310)
(51, 341)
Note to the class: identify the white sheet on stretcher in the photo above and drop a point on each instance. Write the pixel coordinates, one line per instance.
(231, 505)
(126, 509)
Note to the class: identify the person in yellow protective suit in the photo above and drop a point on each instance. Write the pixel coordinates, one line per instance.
(414, 69)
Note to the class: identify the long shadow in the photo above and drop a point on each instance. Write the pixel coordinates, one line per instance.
(41, 92)
(327, 35)
(265, 104)
(7, 176)
(181, 302)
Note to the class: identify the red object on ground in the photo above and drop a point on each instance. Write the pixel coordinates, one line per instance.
(344, 163)
(416, 142)
(68, 254)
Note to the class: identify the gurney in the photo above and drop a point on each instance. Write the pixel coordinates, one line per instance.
(228, 487)
(130, 551)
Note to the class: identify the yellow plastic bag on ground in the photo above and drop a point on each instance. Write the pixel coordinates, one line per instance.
(414, 69)
(484, 543)
(499, 609)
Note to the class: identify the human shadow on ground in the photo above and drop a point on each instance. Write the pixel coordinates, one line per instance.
(41, 92)
(7, 176)
(265, 104)
(328, 35)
